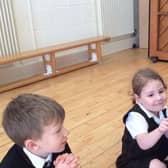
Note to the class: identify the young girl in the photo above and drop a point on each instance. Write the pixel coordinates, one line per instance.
(145, 139)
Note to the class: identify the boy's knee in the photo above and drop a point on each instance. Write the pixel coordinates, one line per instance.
(156, 163)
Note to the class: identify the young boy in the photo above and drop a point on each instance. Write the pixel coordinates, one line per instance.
(35, 124)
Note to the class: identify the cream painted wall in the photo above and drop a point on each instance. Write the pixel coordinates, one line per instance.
(24, 26)
(43, 23)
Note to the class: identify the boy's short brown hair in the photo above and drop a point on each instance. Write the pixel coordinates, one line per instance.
(27, 114)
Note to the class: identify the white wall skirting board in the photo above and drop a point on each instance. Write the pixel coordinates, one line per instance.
(117, 44)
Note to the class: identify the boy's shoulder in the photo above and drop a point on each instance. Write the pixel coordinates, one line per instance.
(15, 158)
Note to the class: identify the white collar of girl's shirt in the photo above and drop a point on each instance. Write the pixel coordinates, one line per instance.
(148, 113)
(37, 161)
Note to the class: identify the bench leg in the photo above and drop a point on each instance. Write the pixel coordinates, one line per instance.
(53, 63)
(89, 52)
(98, 52)
(49, 62)
(92, 55)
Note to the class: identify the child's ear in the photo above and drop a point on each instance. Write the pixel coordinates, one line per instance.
(136, 97)
(31, 145)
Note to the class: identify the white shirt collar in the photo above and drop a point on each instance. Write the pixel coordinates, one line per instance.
(37, 161)
(151, 115)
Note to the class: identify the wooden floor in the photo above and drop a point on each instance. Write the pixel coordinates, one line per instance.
(95, 99)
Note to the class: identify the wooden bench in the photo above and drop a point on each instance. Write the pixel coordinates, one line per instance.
(49, 58)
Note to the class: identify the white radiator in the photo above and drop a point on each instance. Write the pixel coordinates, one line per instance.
(117, 17)
(8, 39)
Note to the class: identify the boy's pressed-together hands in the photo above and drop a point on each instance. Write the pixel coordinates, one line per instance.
(67, 161)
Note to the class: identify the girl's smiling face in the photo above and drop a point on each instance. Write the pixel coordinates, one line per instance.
(152, 96)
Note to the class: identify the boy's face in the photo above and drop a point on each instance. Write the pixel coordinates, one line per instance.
(53, 139)
(153, 96)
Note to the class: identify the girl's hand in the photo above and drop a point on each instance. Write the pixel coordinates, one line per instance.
(163, 127)
(67, 161)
